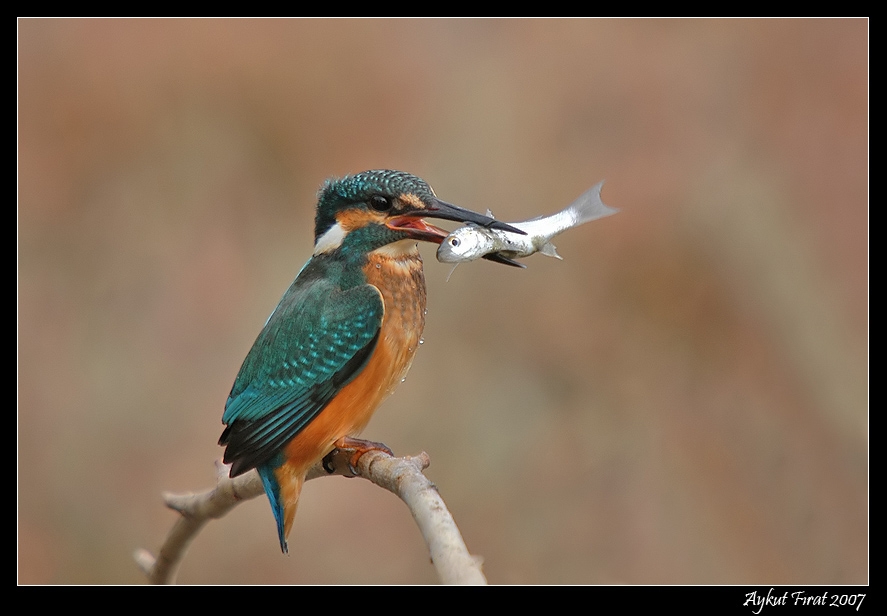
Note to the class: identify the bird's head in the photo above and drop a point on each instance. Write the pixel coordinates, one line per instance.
(371, 209)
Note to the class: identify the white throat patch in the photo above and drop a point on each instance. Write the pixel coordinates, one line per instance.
(330, 240)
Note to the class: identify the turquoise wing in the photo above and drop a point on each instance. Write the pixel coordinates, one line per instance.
(315, 342)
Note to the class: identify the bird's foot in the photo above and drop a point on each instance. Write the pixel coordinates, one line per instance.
(352, 449)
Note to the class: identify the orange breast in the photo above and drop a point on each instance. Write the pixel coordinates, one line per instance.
(399, 277)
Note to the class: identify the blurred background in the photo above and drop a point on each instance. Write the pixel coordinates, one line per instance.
(682, 400)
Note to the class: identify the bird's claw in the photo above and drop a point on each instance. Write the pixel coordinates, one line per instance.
(327, 462)
(352, 449)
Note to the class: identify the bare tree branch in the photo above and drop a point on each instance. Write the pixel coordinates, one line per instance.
(401, 476)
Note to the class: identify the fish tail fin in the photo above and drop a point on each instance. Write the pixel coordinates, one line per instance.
(589, 206)
(549, 250)
(283, 487)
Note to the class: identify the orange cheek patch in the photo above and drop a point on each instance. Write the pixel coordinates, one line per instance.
(355, 219)
(413, 201)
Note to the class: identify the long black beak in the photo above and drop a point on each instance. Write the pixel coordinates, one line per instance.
(448, 211)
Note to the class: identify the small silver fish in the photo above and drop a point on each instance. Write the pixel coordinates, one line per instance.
(473, 242)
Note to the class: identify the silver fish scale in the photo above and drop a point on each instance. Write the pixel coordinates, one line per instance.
(472, 242)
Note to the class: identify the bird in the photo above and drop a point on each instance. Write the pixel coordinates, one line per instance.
(341, 338)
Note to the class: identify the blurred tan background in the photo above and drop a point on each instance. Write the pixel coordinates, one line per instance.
(682, 399)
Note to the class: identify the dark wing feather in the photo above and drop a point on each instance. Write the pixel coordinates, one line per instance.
(316, 341)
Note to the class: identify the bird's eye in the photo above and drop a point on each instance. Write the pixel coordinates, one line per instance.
(380, 203)
(454, 241)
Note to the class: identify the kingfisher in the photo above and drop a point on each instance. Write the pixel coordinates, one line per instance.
(342, 337)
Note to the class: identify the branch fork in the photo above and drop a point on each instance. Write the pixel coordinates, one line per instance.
(403, 477)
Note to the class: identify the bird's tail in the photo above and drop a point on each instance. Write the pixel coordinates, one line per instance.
(283, 486)
(589, 206)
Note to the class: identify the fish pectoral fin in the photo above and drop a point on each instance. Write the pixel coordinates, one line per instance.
(498, 258)
(549, 250)
(451, 271)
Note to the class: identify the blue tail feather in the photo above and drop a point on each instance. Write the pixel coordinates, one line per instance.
(272, 489)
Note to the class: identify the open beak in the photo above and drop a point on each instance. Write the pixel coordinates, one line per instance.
(421, 230)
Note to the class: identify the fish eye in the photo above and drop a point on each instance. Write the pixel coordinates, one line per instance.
(454, 241)
(380, 203)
